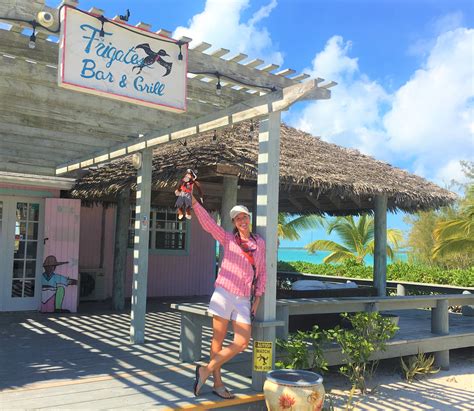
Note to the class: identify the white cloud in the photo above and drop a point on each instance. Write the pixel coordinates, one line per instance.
(428, 122)
(449, 172)
(431, 115)
(352, 116)
(220, 25)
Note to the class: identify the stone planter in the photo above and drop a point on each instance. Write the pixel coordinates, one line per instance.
(294, 390)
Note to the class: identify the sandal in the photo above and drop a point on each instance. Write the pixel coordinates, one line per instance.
(197, 382)
(223, 392)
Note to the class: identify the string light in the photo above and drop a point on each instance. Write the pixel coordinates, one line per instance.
(102, 19)
(251, 130)
(218, 85)
(32, 42)
(219, 75)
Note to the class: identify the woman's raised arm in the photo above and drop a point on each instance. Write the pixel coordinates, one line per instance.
(208, 223)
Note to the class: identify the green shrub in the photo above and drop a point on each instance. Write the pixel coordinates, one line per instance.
(400, 271)
(369, 334)
(418, 366)
(297, 350)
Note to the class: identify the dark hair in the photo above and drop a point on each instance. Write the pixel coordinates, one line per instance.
(235, 231)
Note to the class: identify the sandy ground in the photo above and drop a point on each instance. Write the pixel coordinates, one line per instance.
(389, 391)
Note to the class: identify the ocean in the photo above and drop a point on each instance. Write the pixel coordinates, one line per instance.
(301, 254)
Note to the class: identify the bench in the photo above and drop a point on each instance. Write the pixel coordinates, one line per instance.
(438, 304)
(193, 317)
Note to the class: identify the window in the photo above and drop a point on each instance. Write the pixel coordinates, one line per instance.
(166, 231)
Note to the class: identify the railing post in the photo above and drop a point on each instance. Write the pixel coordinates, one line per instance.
(191, 337)
(467, 310)
(440, 325)
(282, 314)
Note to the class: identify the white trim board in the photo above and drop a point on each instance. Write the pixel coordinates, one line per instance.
(60, 183)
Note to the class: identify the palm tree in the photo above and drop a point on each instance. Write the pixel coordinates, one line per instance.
(288, 229)
(456, 234)
(357, 240)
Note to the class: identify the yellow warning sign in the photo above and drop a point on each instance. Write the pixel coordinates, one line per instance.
(262, 355)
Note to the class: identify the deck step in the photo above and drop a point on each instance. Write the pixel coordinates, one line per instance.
(252, 402)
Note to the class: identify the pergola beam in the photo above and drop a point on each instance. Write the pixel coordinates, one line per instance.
(250, 109)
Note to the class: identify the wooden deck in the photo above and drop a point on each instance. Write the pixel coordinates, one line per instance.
(85, 361)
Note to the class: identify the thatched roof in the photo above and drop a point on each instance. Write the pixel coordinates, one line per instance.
(315, 176)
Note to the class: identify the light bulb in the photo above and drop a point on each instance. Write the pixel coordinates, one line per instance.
(32, 42)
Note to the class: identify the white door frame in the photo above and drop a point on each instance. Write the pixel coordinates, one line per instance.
(7, 303)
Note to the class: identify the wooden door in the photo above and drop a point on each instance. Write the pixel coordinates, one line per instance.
(61, 255)
(21, 245)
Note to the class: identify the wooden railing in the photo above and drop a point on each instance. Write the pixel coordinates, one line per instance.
(195, 315)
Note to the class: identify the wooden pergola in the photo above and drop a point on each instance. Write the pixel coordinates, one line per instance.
(47, 130)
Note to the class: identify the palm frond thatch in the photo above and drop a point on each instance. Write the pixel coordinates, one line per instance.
(308, 165)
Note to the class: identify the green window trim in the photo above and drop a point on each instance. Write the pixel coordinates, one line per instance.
(163, 223)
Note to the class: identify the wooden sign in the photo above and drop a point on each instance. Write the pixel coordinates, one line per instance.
(122, 62)
(262, 355)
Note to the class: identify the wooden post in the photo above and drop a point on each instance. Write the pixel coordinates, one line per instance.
(440, 325)
(229, 200)
(140, 250)
(120, 249)
(267, 227)
(401, 290)
(254, 210)
(380, 237)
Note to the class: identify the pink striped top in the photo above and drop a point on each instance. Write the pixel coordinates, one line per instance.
(236, 273)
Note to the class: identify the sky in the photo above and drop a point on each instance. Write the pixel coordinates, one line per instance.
(404, 68)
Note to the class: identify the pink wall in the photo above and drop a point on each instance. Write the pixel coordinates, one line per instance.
(89, 251)
(168, 275)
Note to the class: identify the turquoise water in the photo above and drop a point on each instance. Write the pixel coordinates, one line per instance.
(300, 254)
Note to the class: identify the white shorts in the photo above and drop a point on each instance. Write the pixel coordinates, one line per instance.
(230, 306)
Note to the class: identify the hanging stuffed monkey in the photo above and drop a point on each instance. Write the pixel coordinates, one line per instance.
(184, 192)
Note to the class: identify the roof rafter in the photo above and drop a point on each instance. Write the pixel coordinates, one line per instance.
(252, 108)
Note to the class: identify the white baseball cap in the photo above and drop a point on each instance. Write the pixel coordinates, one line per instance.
(236, 210)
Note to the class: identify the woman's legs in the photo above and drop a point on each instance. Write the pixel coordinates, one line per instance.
(219, 331)
(242, 334)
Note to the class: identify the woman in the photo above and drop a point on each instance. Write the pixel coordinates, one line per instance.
(238, 288)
